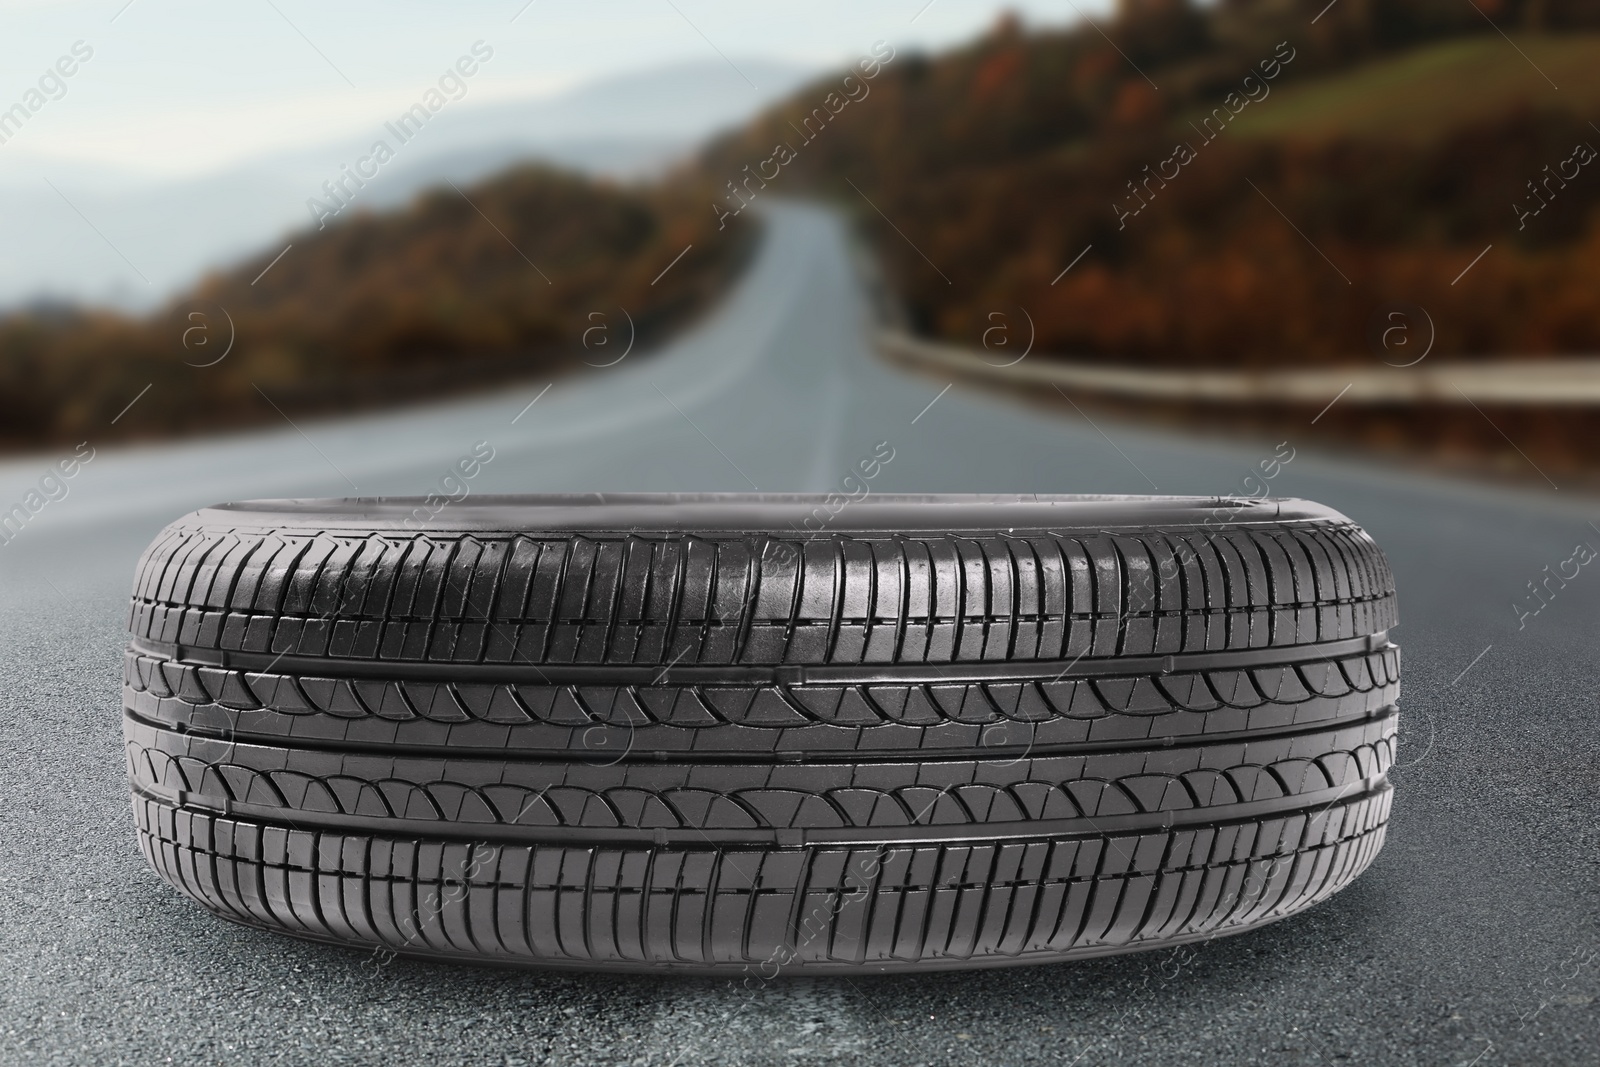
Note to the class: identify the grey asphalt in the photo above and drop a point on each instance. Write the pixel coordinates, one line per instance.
(1474, 938)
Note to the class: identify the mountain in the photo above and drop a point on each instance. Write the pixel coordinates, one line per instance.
(156, 236)
(1235, 183)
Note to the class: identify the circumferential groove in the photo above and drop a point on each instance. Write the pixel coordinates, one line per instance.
(633, 733)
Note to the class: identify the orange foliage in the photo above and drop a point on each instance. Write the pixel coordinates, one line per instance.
(996, 71)
(1003, 196)
(1135, 103)
(377, 308)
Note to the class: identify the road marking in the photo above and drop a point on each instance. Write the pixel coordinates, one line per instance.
(932, 402)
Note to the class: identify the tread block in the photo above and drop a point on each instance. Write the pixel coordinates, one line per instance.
(761, 823)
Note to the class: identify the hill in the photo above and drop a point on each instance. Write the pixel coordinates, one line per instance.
(1251, 187)
(1429, 91)
(1248, 182)
(461, 287)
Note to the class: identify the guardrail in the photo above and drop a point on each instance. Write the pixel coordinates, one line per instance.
(1543, 382)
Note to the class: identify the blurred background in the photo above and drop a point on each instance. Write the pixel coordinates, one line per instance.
(244, 214)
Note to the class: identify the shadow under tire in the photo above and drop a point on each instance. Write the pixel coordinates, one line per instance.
(761, 734)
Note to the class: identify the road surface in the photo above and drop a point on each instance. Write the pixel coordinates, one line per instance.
(1473, 939)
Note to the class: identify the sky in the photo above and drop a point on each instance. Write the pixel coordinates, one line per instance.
(178, 88)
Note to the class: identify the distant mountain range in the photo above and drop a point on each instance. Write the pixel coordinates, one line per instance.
(155, 236)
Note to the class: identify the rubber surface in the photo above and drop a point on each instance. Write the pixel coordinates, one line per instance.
(698, 733)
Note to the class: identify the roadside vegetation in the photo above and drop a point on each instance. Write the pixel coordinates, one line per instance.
(1236, 186)
(1399, 141)
(452, 292)
(1241, 184)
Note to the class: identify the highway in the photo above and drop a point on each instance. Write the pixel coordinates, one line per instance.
(1475, 937)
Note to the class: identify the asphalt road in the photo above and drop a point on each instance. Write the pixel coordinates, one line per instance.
(1475, 937)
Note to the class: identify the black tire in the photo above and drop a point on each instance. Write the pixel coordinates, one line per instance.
(761, 734)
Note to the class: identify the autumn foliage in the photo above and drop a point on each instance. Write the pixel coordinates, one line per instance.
(998, 164)
(449, 293)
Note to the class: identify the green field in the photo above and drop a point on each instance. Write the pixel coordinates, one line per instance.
(1430, 91)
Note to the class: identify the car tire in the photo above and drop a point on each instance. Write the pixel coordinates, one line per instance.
(761, 735)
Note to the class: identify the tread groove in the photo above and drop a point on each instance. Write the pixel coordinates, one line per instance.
(353, 732)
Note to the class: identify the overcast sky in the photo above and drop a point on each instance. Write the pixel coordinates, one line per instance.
(180, 87)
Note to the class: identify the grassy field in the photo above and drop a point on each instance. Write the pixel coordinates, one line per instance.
(1435, 89)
